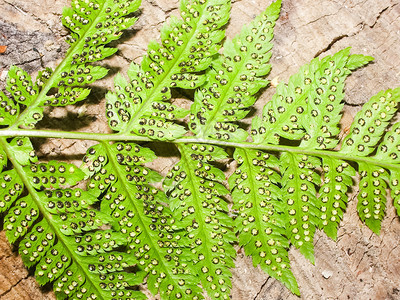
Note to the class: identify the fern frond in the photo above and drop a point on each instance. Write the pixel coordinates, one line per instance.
(47, 221)
(93, 24)
(308, 109)
(259, 219)
(372, 195)
(316, 91)
(53, 174)
(389, 151)
(43, 214)
(299, 195)
(195, 193)
(231, 84)
(123, 230)
(332, 198)
(363, 139)
(233, 80)
(117, 171)
(370, 123)
(186, 49)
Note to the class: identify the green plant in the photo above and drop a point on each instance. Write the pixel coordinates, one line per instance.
(292, 174)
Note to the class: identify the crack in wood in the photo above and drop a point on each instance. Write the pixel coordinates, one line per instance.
(14, 285)
(340, 37)
(26, 13)
(330, 45)
(261, 288)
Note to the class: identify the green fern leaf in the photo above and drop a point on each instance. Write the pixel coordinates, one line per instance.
(23, 149)
(20, 86)
(259, 212)
(388, 151)
(9, 110)
(316, 94)
(117, 171)
(96, 267)
(332, 194)
(93, 24)
(62, 214)
(12, 189)
(292, 179)
(316, 91)
(234, 79)
(20, 218)
(365, 133)
(195, 190)
(32, 251)
(42, 213)
(299, 195)
(370, 123)
(372, 195)
(187, 46)
(53, 174)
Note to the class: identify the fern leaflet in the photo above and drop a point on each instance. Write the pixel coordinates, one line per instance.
(186, 49)
(49, 222)
(195, 196)
(365, 133)
(116, 170)
(233, 79)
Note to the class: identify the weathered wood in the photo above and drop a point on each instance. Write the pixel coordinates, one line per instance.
(360, 265)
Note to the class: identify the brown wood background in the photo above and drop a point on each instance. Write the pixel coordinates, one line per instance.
(360, 265)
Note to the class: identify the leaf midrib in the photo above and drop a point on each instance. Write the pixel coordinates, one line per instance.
(163, 79)
(139, 214)
(218, 110)
(103, 137)
(54, 76)
(200, 220)
(32, 191)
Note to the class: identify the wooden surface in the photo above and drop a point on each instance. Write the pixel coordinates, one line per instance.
(360, 265)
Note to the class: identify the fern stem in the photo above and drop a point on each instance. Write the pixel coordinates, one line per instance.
(291, 149)
(43, 212)
(71, 135)
(189, 140)
(55, 75)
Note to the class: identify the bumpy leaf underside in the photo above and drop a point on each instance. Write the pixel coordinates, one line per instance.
(43, 214)
(233, 80)
(23, 92)
(79, 266)
(49, 223)
(93, 24)
(186, 48)
(370, 123)
(308, 109)
(372, 195)
(195, 196)
(332, 198)
(117, 171)
(389, 151)
(363, 139)
(180, 241)
(298, 187)
(309, 106)
(259, 214)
